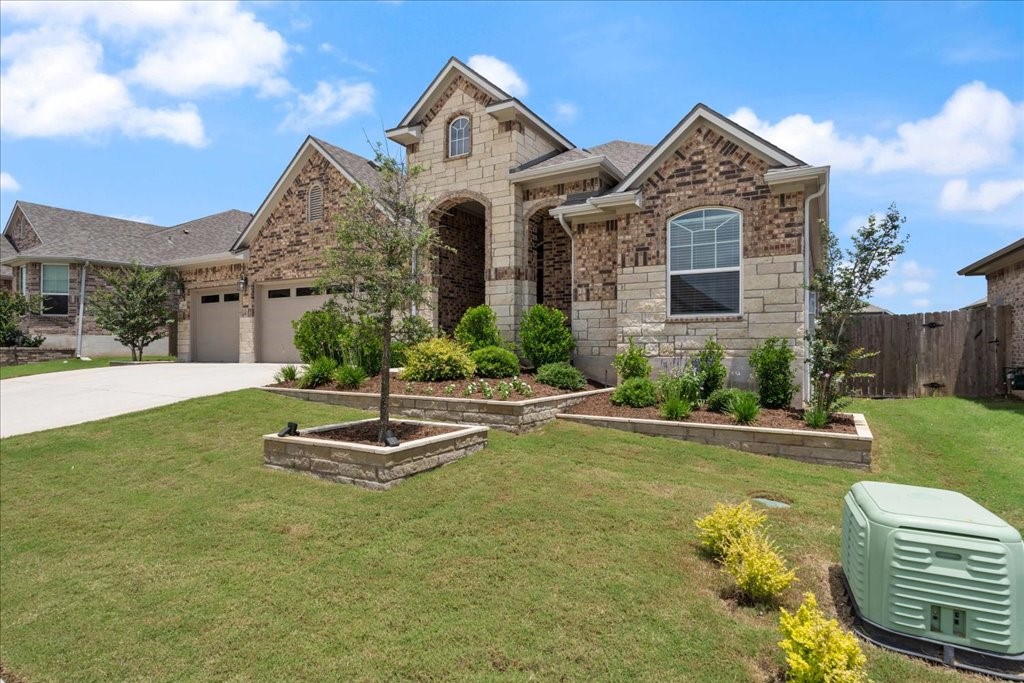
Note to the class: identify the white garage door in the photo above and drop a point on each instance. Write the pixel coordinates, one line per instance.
(278, 306)
(215, 320)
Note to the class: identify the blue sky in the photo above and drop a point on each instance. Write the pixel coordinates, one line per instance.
(166, 112)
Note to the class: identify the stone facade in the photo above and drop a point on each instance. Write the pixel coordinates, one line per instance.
(20, 355)
(1006, 288)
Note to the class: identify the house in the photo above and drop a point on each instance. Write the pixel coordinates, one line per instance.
(1004, 275)
(7, 250)
(871, 309)
(709, 232)
(61, 255)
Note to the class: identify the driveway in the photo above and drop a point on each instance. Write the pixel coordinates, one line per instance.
(37, 402)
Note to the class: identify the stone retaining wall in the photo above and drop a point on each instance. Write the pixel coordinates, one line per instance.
(823, 448)
(509, 416)
(373, 467)
(20, 355)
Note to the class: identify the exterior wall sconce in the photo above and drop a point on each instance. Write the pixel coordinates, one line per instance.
(242, 283)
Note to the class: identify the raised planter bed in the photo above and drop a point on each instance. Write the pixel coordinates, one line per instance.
(510, 416)
(370, 466)
(823, 448)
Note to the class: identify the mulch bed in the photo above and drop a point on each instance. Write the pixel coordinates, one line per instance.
(437, 389)
(366, 432)
(601, 406)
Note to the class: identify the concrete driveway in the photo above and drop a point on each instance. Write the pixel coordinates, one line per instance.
(37, 402)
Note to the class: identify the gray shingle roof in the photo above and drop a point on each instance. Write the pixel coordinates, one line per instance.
(67, 234)
(625, 155)
(360, 168)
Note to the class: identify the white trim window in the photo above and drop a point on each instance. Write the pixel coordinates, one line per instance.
(458, 137)
(23, 280)
(315, 203)
(53, 285)
(704, 248)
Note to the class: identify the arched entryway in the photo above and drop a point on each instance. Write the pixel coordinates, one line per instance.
(461, 268)
(549, 262)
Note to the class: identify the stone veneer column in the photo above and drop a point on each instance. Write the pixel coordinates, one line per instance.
(184, 341)
(247, 340)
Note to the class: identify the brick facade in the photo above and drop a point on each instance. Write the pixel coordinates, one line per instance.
(20, 233)
(1006, 288)
(461, 268)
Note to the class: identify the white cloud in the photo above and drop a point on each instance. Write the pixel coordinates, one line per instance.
(53, 86)
(566, 112)
(8, 183)
(500, 73)
(920, 303)
(906, 277)
(976, 129)
(988, 196)
(325, 48)
(329, 104)
(137, 218)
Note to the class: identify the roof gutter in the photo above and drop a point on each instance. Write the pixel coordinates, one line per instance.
(597, 206)
(600, 163)
(209, 259)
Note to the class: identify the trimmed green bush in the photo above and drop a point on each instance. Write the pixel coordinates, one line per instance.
(772, 362)
(545, 336)
(399, 350)
(561, 376)
(318, 373)
(320, 333)
(436, 360)
(638, 392)
(363, 348)
(632, 363)
(478, 328)
(710, 369)
(744, 407)
(720, 400)
(349, 376)
(494, 361)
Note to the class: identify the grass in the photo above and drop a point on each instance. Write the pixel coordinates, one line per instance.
(155, 546)
(48, 366)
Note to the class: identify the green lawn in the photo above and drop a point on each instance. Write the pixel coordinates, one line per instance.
(155, 546)
(48, 366)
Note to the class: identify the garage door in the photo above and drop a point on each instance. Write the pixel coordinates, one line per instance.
(279, 305)
(215, 320)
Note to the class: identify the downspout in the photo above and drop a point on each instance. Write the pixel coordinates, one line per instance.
(807, 283)
(81, 307)
(572, 266)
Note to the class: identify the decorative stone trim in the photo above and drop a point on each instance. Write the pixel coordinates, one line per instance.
(509, 416)
(373, 467)
(21, 355)
(822, 448)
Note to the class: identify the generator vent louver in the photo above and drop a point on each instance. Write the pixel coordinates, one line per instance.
(854, 547)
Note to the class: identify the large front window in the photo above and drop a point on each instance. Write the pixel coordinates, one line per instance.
(54, 288)
(704, 262)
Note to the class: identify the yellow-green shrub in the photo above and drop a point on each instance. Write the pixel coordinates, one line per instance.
(760, 572)
(725, 523)
(817, 649)
(436, 360)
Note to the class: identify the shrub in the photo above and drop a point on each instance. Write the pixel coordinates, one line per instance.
(632, 362)
(760, 572)
(413, 330)
(720, 400)
(545, 336)
(399, 351)
(478, 328)
(362, 347)
(816, 418)
(744, 407)
(438, 359)
(561, 376)
(318, 373)
(320, 333)
(676, 408)
(287, 373)
(494, 361)
(710, 369)
(638, 392)
(717, 530)
(772, 362)
(349, 376)
(817, 649)
(679, 383)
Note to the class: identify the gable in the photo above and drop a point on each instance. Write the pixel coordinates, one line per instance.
(19, 230)
(453, 75)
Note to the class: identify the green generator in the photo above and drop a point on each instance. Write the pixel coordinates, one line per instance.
(933, 574)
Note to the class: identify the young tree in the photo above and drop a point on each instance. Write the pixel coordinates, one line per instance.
(379, 238)
(844, 283)
(134, 306)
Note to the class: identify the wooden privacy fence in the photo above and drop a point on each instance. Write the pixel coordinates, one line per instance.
(948, 353)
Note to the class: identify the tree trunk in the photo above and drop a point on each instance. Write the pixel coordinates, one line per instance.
(385, 380)
(135, 354)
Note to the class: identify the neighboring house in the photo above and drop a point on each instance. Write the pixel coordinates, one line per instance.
(7, 250)
(1004, 274)
(61, 255)
(711, 232)
(980, 303)
(871, 309)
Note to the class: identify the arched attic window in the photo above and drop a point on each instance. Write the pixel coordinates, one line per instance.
(704, 249)
(458, 136)
(315, 203)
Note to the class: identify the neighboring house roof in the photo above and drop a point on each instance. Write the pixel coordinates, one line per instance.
(980, 303)
(997, 260)
(7, 250)
(75, 235)
(872, 309)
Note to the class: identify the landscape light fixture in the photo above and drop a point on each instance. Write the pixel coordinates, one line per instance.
(390, 440)
(291, 429)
